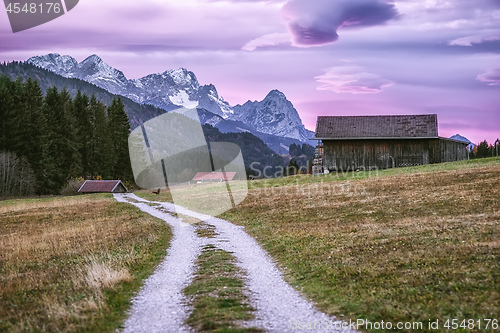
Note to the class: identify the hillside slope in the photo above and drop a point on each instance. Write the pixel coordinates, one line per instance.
(403, 245)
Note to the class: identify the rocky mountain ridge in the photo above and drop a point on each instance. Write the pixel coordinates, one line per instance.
(174, 88)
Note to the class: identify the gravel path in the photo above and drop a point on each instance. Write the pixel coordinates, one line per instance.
(159, 306)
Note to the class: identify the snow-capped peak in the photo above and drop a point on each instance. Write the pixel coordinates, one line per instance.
(460, 138)
(93, 58)
(54, 62)
(275, 93)
(94, 66)
(182, 77)
(210, 100)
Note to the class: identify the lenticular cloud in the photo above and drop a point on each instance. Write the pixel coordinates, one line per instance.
(352, 79)
(491, 77)
(315, 22)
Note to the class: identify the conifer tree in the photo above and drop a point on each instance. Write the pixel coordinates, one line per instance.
(483, 150)
(13, 115)
(6, 114)
(56, 142)
(83, 131)
(33, 138)
(58, 137)
(64, 158)
(119, 128)
(293, 168)
(101, 154)
(72, 158)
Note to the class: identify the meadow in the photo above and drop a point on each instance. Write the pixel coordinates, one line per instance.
(73, 263)
(402, 245)
(412, 244)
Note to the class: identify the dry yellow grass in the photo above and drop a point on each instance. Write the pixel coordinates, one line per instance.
(100, 275)
(30, 204)
(71, 264)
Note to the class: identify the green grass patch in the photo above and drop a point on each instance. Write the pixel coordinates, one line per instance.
(204, 229)
(163, 196)
(217, 294)
(73, 263)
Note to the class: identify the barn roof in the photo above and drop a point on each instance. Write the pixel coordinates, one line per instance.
(97, 186)
(200, 176)
(377, 127)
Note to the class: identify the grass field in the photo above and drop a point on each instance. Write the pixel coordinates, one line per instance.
(402, 245)
(73, 263)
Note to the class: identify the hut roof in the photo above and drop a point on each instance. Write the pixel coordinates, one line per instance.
(102, 186)
(376, 127)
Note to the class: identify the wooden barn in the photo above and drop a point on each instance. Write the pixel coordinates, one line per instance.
(103, 186)
(381, 142)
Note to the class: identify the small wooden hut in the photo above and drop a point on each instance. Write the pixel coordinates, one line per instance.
(103, 186)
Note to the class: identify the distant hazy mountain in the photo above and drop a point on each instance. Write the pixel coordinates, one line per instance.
(458, 137)
(275, 115)
(463, 139)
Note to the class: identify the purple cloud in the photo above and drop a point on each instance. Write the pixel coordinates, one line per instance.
(267, 40)
(352, 79)
(315, 22)
(471, 40)
(491, 77)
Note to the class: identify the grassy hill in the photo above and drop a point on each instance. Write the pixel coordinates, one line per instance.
(401, 245)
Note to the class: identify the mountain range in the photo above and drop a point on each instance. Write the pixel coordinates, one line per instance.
(274, 119)
(257, 153)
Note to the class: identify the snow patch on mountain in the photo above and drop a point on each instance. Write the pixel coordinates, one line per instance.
(182, 76)
(182, 98)
(158, 90)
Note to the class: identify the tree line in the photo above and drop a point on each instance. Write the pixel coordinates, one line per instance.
(47, 140)
(484, 149)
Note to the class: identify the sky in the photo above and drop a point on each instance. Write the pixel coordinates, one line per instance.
(329, 57)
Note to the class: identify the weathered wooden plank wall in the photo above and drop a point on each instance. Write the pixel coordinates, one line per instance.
(345, 155)
(452, 151)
